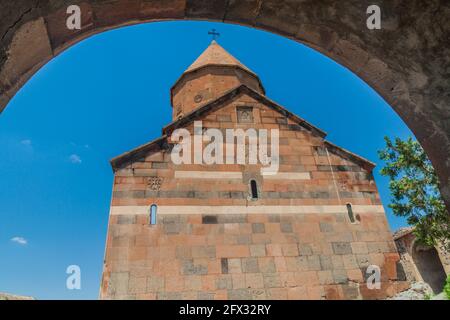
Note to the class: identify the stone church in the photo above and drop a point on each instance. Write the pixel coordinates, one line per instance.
(226, 231)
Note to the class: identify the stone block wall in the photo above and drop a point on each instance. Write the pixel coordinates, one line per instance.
(422, 263)
(198, 87)
(253, 256)
(212, 241)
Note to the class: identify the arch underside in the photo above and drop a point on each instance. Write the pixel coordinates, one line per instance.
(429, 266)
(407, 62)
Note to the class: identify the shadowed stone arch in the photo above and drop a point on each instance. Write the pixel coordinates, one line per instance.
(407, 62)
(429, 266)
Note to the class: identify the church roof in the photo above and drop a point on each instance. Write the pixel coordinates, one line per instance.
(402, 232)
(161, 142)
(216, 55)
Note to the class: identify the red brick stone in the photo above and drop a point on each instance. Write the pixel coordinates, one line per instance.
(229, 251)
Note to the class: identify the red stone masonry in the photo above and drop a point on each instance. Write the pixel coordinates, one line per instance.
(212, 241)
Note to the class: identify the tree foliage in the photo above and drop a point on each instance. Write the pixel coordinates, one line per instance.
(415, 193)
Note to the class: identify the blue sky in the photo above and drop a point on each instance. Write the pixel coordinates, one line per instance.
(109, 94)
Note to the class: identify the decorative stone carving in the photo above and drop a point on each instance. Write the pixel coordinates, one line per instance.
(179, 112)
(198, 98)
(343, 185)
(245, 114)
(154, 183)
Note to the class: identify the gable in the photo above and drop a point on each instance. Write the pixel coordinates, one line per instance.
(223, 113)
(232, 95)
(140, 152)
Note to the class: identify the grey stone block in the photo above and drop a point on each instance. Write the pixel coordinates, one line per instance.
(244, 239)
(189, 268)
(258, 250)
(258, 228)
(203, 251)
(172, 228)
(325, 227)
(239, 294)
(118, 283)
(274, 218)
(272, 280)
(224, 118)
(224, 282)
(172, 219)
(286, 227)
(135, 194)
(183, 252)
(250, 265)
(340, 276)
(342, 247)
(351, 291)
(304, 249)
(338, 262)
(377, 247)
(168, 296)
(232, 218)
(326, 263)
(155, 283)
(237, 195)
(159, 165)
(268, 266)
(301, 263)
(203, 195)
(126, 219)
(314, 263)
(205, 295)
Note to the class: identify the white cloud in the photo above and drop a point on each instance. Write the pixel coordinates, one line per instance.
(74, 158)
(19, 240)
(26, 142)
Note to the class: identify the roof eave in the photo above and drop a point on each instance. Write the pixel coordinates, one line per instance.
(369, 164)
(118, 161)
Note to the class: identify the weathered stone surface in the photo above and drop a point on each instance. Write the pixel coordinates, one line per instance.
(250, 265)
(408, 66)
(294, 256)
(416, 262)
(28, 51)
(162, 9)
(342, 247)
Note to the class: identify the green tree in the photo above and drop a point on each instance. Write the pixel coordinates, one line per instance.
(447, 287)
(415, 193)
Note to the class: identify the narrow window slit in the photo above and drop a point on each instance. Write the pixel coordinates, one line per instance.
(153, 211)
(351, 216)
(254, 189)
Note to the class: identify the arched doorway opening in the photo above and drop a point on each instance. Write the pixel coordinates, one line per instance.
(429, 266)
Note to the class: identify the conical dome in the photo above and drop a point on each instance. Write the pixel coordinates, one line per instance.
(216, 55)
(211, 75)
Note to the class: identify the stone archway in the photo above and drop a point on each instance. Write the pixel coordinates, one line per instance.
(407, 62)
(429, 266)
